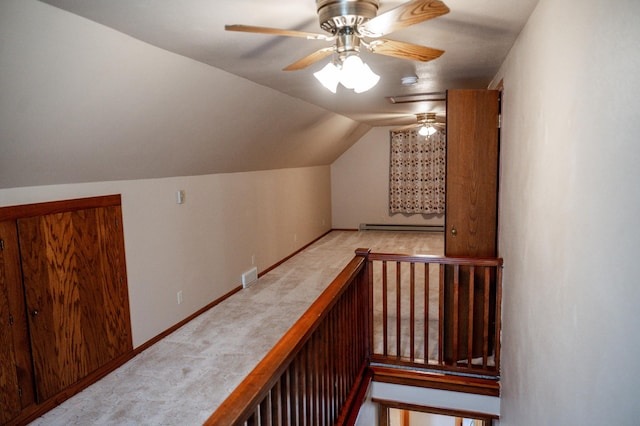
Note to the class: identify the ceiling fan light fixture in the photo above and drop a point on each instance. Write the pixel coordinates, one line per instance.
(329, 76)
(352, 74)
(426, 130)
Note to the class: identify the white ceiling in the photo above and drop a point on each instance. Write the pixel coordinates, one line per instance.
(476, 35)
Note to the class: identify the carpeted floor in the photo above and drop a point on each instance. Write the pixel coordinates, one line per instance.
(182, 379)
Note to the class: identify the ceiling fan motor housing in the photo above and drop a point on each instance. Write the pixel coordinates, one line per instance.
(337, 14)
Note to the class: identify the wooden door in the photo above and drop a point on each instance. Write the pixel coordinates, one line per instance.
(472, 173)
(16, 379)
(471, 212)
(76, 294)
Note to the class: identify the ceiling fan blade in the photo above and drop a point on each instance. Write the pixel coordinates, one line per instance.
(310, 59)
(400, 49)
(276, 31)
(407, 14)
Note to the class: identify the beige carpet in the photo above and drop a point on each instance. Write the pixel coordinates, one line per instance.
(183, 378)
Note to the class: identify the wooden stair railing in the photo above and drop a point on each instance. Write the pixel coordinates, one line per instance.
(412, 324)
(313, 374)
(318, 372)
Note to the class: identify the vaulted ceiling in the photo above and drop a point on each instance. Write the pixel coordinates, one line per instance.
(475, 35)
(86, 103)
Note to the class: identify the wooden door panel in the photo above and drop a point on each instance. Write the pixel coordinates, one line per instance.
(16, 352)
(10, 405)
(50, 281)
(115, 296)
(69, 284)
(472, 173)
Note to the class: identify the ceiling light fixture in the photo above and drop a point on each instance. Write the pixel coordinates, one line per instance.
(427, 120)
(352, 73)
(348, 69)
(427, 130)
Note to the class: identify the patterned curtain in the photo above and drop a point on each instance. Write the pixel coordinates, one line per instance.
(417, 172)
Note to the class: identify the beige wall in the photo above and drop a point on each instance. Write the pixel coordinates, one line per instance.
(81, 102)
(202, 246)
(569, 208)
(360, 185)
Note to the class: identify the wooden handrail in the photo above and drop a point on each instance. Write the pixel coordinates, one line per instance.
(318, 372)
(255, 387)
(424, 258)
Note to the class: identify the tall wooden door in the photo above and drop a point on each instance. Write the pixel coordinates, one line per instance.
(76, 294)
(472, 173)
(471, 215)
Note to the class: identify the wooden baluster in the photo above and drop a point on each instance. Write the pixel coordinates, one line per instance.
(275, 415)
(265, 410)
(470, 319)
(398, 307)
(296, 400)
(318, 352)
(344, 350)
(485, 316)
(342, 368)
(385, 313)
(341, 371)
(456, 323)
(327, 369)
(349, 352)
(253, 418)
(313, 374)
(367, 292)
(498, 317)
(322, 355)
(344, 314)
(285, 396)
(412, 311)
(426, 313)
(305, 367)
(441, 316)
(334, 332)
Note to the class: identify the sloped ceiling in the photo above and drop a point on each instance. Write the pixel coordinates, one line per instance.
(97, 90)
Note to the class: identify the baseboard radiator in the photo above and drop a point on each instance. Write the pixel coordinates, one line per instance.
(392, 227)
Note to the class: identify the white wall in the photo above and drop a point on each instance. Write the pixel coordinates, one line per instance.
(360, 185)
(202, 246)
(81, 102)
(569, 207)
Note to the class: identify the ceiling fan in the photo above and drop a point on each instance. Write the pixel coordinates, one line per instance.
(428, 122)
(355, 23)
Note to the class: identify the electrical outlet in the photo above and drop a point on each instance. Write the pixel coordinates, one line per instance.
(179, 296)
(295, 238)
(253, 259)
